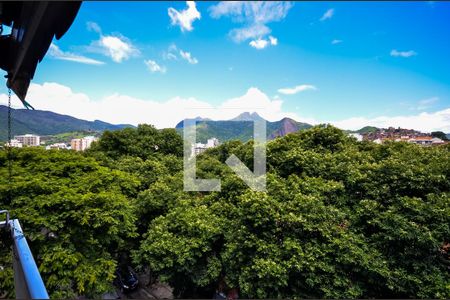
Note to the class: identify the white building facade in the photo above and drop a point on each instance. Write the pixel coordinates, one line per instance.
(14, 143)
(57, 146)
(29, 139)
(82, 144)
(198, 148)
(357, 136)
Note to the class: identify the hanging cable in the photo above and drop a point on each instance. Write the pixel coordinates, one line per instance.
(9, 153)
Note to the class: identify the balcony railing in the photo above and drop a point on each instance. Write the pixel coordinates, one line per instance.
(28, 283)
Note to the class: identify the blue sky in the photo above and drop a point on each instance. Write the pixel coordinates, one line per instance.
(348, 63)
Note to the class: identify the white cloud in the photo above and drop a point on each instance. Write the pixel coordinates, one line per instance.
(426, 103)
(297, 89)
(251, 11)
(254, 15)
(154, 67)
(54, 97)
(55, 52)
(15, 102)
(334, 42)
(120, 109)
(327, 15)
(230, 8)
(252, 31)
(186, 17)
(173, 53)
(425, 121)
(188, 57)
(254, 100)
(117, 47)
(409, 53)
(429, 100)
(259, 43)
(170, 56)
(92, 26)
(262, 43)
(273, 40)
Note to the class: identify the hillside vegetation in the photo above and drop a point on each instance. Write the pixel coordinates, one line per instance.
(241, 128)
(340, 218)
(47, 123)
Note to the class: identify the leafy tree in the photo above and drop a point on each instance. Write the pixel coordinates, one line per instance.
(144, 141)
(339, 219)
(76, 215)
(439, 134)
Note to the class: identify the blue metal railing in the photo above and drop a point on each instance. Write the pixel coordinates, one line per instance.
(27, 279)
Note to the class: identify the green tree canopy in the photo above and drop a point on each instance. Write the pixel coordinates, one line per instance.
(439, 134)
(76, 215)
(339, 219)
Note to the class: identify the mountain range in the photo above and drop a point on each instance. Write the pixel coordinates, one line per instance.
(241, 127)
(47, 123)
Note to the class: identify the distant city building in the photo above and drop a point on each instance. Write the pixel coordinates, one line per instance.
(378, 141)
(426, 141)
(418, 140)
(198, 148)
(393, 134)
(357, 136)
(382, 135)
(82, 144)
(57, 146)
(29, 139)
(212, 142)
(421, 140)
(76, 144)
(14, 143)
(437, 141)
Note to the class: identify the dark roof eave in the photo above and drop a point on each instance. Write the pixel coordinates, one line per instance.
(34, 26)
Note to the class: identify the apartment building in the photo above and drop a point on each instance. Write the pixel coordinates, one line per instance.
(82, 144)
(14, 143)
(198, 148)
(29, 139)
(357, 136)
(418, 140)
(212, 142)
(426, 141)
(57, 146)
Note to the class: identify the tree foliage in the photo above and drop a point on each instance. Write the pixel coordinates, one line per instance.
(439, 134)
(76, 215)
(340, 218)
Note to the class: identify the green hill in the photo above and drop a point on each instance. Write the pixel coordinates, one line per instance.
(241, 128)
(367, 129)
(47, 123)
